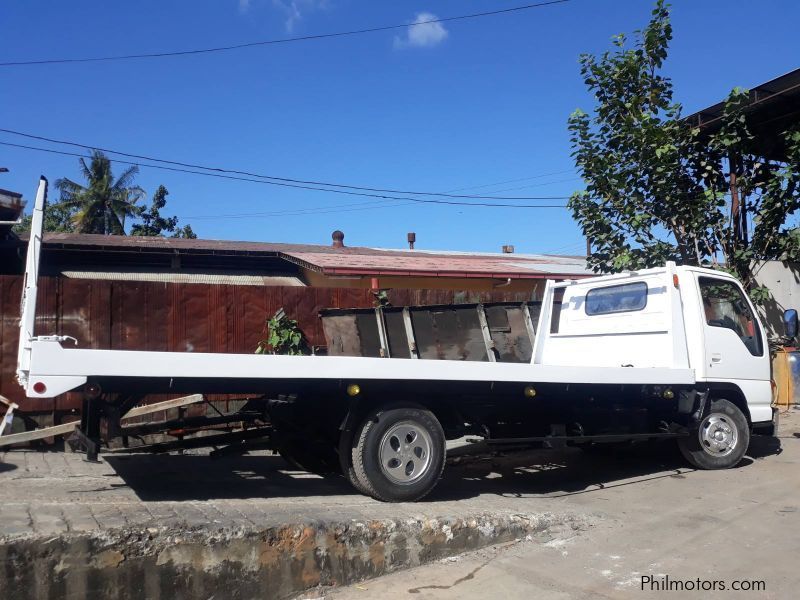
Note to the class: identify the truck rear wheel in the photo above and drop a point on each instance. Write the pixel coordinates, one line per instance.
(720, 440)
(346, 448)
(399, 453)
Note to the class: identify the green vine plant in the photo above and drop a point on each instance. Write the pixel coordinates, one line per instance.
(381, 299)
(283, 336)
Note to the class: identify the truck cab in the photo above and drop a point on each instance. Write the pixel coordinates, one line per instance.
(671, 317)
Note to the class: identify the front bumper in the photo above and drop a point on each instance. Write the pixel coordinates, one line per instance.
(769, 428)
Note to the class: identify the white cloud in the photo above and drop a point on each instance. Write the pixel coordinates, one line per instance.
(422, 34)
(295, 10)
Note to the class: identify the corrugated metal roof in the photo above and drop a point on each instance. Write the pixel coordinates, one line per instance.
(145, 243)
(419, 264)
(178, 277)
(350, 260)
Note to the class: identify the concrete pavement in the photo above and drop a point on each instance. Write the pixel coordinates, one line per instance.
(188, 526)
(698, 530)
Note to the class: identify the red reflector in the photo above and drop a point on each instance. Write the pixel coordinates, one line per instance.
(39, 387)
(675, 280)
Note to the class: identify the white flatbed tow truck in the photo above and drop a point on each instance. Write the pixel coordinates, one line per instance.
(671, 352)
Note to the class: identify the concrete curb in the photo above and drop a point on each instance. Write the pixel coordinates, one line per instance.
(278, 562)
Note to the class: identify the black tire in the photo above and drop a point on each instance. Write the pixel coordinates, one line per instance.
(346, 462)
(720, 440)
(419, 460)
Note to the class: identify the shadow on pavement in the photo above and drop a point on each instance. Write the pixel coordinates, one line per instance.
(543, 473)
(167, 477)
(762, 446)
(6, 467)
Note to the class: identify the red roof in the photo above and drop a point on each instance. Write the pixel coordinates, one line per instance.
(349, 260)
(370, 261)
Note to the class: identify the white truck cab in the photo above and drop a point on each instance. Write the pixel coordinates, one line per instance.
(671, 317)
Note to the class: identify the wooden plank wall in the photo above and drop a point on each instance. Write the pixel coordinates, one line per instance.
(178, 317)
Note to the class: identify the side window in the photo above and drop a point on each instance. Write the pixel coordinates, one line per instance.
(725, 306)
(616, 298)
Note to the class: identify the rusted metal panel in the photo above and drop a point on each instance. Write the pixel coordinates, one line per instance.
(342, 335)
(396, 333)
(219, 332)
(138, 315)
(449, 333)
(509, 333)
(443, 332)
(10, 289)
(250, 309)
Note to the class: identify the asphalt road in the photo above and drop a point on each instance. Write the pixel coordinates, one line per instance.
(699, 529)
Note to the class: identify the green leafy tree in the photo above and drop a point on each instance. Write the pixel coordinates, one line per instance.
(185, 232)
(658, 189)
(103, 204)
(57, 218)
(153, 224)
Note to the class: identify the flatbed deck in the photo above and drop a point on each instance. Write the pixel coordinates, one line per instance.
(68, 368)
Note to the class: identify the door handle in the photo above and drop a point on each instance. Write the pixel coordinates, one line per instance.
(716, 358)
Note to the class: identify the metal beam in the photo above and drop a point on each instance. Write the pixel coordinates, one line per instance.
(412, 341)
(384, 339)
(487, 335)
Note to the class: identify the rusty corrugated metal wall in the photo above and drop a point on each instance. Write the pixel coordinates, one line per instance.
(178, 317)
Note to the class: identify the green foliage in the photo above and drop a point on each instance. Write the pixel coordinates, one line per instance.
(154, 225)
(104, 203)
(57, 218)
(185, 232)
(658, 190)
(381, 298)
(283, 336)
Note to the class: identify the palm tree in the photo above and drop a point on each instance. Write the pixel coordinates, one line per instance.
(103, 205)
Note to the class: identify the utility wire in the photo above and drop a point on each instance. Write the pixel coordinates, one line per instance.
(304, 211)
(272, 180)
(334, 191)
(304, 38)
(368, 205)
(485, 185)
(525, 187)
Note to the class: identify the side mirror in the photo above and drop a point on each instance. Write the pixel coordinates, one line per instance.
(790, 323)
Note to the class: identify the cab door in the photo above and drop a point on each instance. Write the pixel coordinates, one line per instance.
(735, 345)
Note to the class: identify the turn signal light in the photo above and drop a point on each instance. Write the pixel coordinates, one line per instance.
(353, 389)
(530, 391)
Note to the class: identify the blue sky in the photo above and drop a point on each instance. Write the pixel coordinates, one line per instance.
(460, 105)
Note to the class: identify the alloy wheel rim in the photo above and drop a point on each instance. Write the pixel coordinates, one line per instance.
(405, 452)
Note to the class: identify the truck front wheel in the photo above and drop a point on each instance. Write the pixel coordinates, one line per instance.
(399, 453)
(720, 440)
